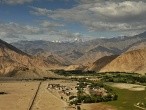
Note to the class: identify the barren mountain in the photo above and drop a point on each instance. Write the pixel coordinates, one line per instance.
(133, 61)
(53, 58)
(102, 62)
(138, 45)
(94, 54)
(14, 61)
(84, 52)
(71, 55)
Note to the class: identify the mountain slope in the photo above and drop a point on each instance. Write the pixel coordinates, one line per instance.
(53, 58)
(12, 61)
(94, 54)
(133, 61)
(137, 45)
(102, 62)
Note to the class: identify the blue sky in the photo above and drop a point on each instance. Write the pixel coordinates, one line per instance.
(70, 19)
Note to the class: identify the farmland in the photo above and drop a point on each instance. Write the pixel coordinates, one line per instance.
(127, 98)
(19, 95)
(54, 94)
(31, 95)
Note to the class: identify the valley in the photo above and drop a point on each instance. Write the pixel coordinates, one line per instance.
(56, 93)
(73, 76)
(72, 54)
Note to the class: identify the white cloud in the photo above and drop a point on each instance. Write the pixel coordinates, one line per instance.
(48, 24)
(112, 15)
(59, 0)
(19, 29)
(122, 9)
(67, 34)
(12, 32)
(40, 11)
(13, 2)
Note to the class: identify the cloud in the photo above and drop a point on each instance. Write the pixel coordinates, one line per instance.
(19, 29)
(40, 11)
(112, 15)
(12, 32)
(48, 24)
(123, 10)
(67, 34)
(14, 2)
(59, 0)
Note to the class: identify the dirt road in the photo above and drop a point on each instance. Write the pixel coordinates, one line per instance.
(45, 100)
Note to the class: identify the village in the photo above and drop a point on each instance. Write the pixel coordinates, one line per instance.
(82, 92)
(62, 90)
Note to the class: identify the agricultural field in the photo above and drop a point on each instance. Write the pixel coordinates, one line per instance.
(51, 99)
(39, 95)
(131, 87)
(97, 106)
(128, 96)
(47, 101)
(32, 95)
(18, 95)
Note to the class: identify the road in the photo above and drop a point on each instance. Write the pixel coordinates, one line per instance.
(45, 100)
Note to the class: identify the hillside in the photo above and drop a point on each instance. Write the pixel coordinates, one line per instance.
(133, 61)
(52, 58)
(14, 62)
(102, 62)
(138, 45)
(96, 53)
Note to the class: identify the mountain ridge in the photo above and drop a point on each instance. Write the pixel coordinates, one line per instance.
(14, 62)
(77, 52)
(132, 61)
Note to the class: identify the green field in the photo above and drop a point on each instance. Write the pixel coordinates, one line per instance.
(127, 99)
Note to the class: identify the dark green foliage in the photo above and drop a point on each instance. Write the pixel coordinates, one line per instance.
(72, 97)
(74, 72)
(93, 97)
(2, 93)
(123, 78)
(78, 108)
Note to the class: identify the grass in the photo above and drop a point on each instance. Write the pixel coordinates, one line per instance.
(127, 99)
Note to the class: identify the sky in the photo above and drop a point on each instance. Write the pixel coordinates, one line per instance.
(70, 19)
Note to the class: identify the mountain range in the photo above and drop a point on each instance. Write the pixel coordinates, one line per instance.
(35, 58)
(85, 53)
(16, 63)
(132, 62)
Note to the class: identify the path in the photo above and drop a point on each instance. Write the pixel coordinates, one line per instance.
(46, 101)
(34, 98)
(139, 107)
